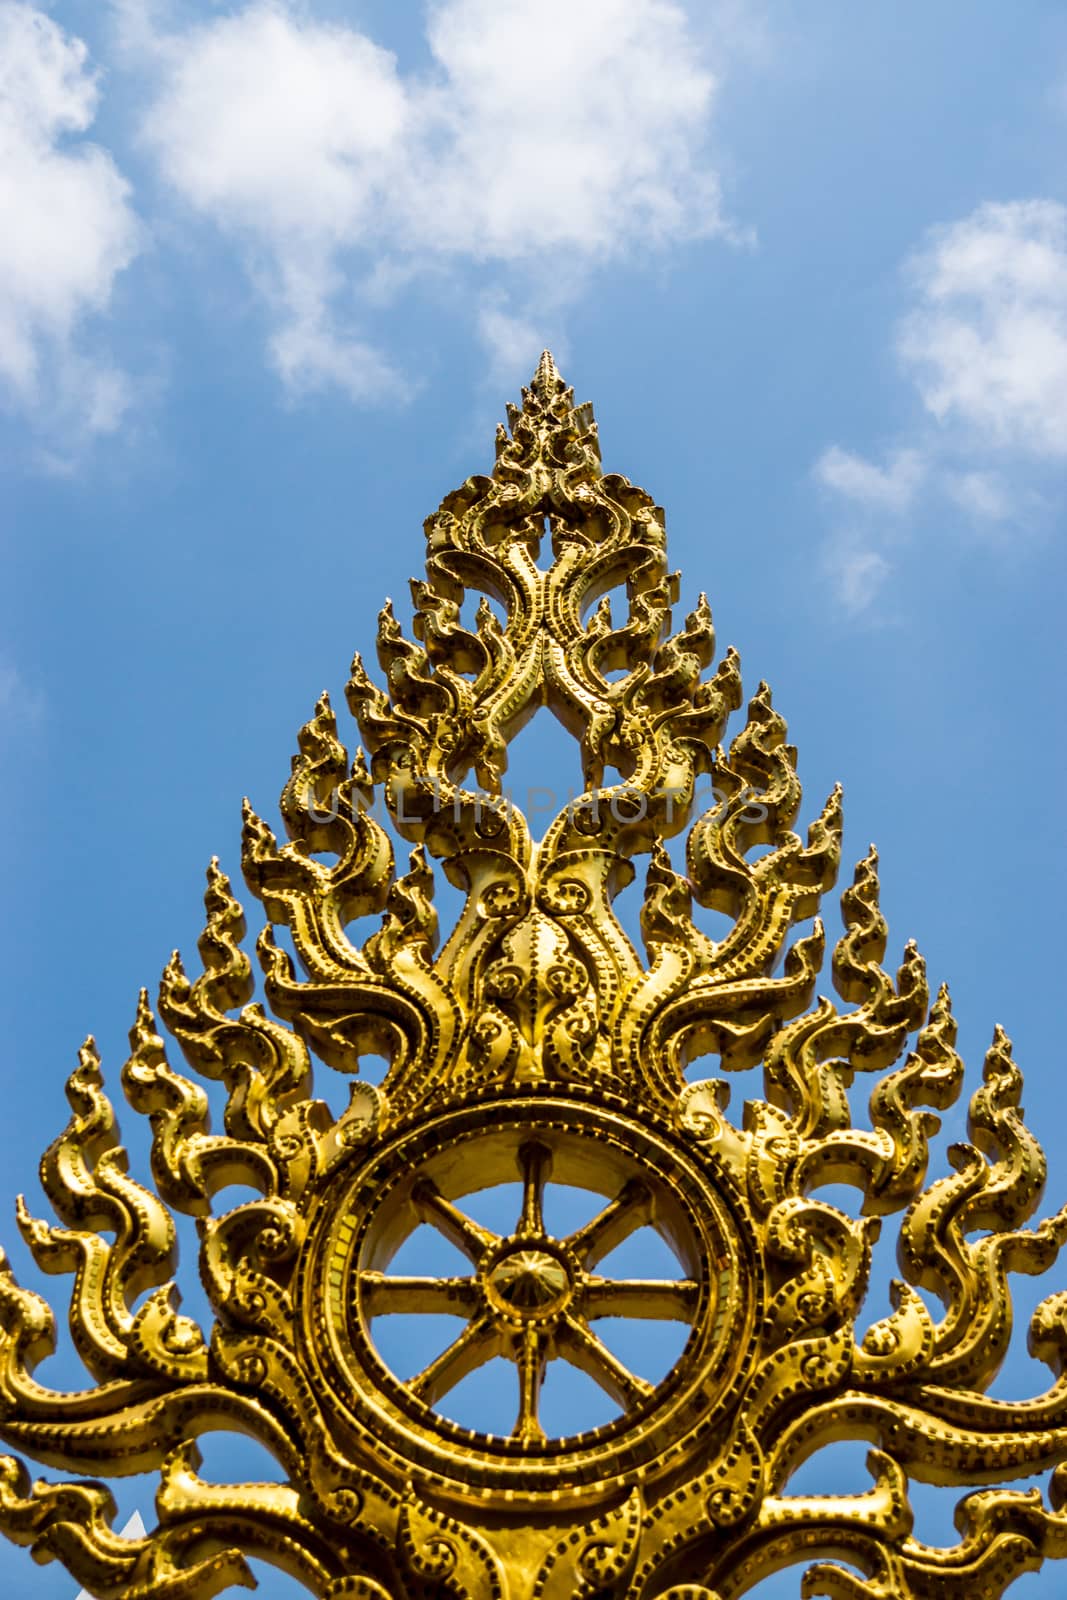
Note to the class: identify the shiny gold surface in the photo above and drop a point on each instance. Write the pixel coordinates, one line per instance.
(538, 1047)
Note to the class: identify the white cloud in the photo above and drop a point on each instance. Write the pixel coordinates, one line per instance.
(563, 126)
(987, 343)
(543, 134)
(856, 572)
(66, 228)
(981, 494)
(313, 347)
(889, 488)
(309, 354)
(514, 343)
(281, 127)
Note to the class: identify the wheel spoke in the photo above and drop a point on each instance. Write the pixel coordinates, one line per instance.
(432, 1207)
(531, 1361)
(476, 1345)
(659, 1300)
(580, 1346)
(631, 1209)
(534, 1162)
(384, 1296)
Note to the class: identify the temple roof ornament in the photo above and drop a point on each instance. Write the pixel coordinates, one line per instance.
(537, 1045)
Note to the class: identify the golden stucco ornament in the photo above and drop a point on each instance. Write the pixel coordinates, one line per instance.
(538, 1046)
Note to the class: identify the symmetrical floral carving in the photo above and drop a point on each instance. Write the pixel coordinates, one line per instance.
(537, 1042)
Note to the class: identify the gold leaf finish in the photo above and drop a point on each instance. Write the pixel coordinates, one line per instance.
(531, 1043)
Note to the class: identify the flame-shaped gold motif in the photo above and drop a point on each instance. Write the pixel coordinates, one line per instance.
(538, 1045)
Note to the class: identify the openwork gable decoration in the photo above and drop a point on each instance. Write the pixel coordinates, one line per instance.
(537, 1046)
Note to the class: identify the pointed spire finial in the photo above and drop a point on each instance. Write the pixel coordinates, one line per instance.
(546, 380)
(548, 402)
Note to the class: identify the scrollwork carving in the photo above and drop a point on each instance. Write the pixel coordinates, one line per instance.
(533, 1041)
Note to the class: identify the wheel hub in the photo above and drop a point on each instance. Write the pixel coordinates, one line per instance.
(529, 1281)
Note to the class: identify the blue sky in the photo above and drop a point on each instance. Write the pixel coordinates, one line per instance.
(269, 273)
